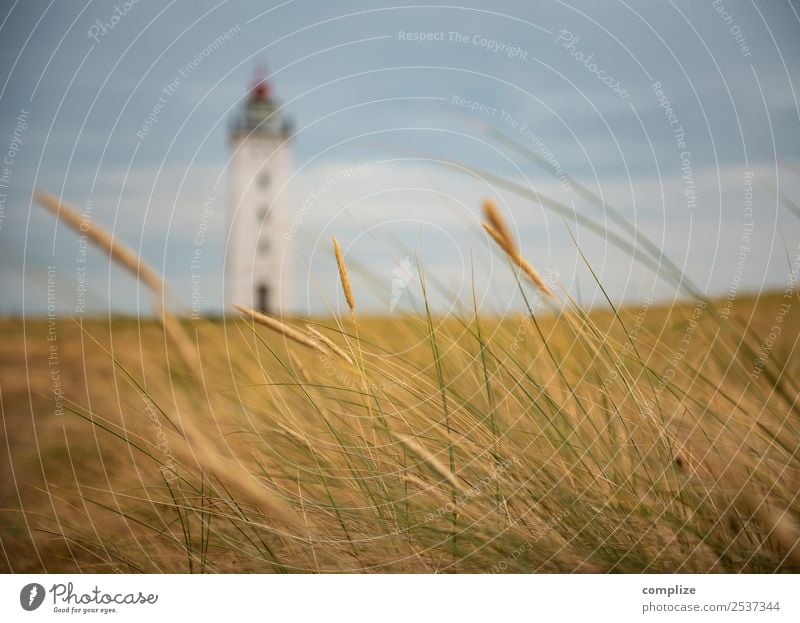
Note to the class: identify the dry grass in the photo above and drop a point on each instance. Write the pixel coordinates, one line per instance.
(128, 259)
(119, 252)
(281, 327)
(557, 467)
(510, 249)
(493, 217)
(330, 344)
(344, 276)
(567, 441)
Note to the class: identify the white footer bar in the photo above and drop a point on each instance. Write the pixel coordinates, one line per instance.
(400, 598)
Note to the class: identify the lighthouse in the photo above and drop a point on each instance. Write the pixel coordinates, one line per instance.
(258, 263)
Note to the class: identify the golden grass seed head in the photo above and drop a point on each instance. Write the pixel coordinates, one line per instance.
(103, 239)
(344, 277)
(515, 257)
(281, 327)
(495, 219)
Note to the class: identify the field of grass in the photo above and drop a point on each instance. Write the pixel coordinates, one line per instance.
(654, 439)
(651, 438)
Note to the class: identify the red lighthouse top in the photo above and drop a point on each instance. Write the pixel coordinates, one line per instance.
(260, 87)
(259, 115)
(260, 90)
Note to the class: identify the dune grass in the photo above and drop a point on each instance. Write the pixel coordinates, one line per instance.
(444, 444)
(649, 438)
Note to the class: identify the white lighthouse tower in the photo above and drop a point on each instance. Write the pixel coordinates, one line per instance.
(258, 271)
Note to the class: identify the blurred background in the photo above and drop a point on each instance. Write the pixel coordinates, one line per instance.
(683, 116)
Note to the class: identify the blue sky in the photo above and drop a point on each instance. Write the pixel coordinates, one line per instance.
(359, 92)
